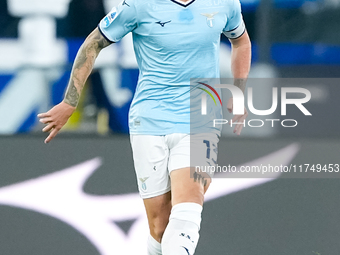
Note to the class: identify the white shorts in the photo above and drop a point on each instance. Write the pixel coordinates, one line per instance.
(156, 156)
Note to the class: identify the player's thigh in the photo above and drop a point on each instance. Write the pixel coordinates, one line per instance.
(150, 156)
(187, 188)
(188, 160)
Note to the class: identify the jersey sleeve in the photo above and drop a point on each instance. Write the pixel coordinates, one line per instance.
(119, 21)
(235, 25)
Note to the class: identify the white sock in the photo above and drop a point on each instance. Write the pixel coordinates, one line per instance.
(181, 235)
(154, 247)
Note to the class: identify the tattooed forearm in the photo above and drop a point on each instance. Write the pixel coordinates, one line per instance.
(241, 83)
(71, 96)
(83, 66)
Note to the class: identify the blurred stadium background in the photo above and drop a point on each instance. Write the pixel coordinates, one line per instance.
(47, 207)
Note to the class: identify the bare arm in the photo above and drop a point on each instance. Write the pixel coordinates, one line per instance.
(240, 60)
(57, 117)
(240, 66)
(83, 65)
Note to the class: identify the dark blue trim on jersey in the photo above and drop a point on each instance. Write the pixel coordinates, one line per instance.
(238, 36)
(105, 35)
(232, 29)
(184, 5)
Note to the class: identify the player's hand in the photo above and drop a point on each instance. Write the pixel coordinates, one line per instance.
(237, 118)
(55, 119)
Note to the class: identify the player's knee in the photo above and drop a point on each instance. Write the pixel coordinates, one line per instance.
(193, 195)
(158, 232)
(158, 225)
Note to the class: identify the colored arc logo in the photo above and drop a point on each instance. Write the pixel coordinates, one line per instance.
(209, 93)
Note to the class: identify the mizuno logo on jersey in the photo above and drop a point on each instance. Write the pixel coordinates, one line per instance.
(163, 23)
(125, 3)
(210, 18)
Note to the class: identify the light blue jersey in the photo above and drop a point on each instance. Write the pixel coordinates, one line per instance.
(173, 42)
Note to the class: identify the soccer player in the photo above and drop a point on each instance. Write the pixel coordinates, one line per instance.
(174, 41)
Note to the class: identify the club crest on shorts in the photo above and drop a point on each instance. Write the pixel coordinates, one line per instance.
(143, 180)
(210, 18)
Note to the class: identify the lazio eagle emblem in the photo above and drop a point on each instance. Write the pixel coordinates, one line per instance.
(210, 18)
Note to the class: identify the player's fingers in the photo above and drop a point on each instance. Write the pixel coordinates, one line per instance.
(51, 135)
(239, 129)
(45, 120)
(233, 120)
(236, 119)
(245, 115)
(48, 127)
(242, 120)
(43, 115)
